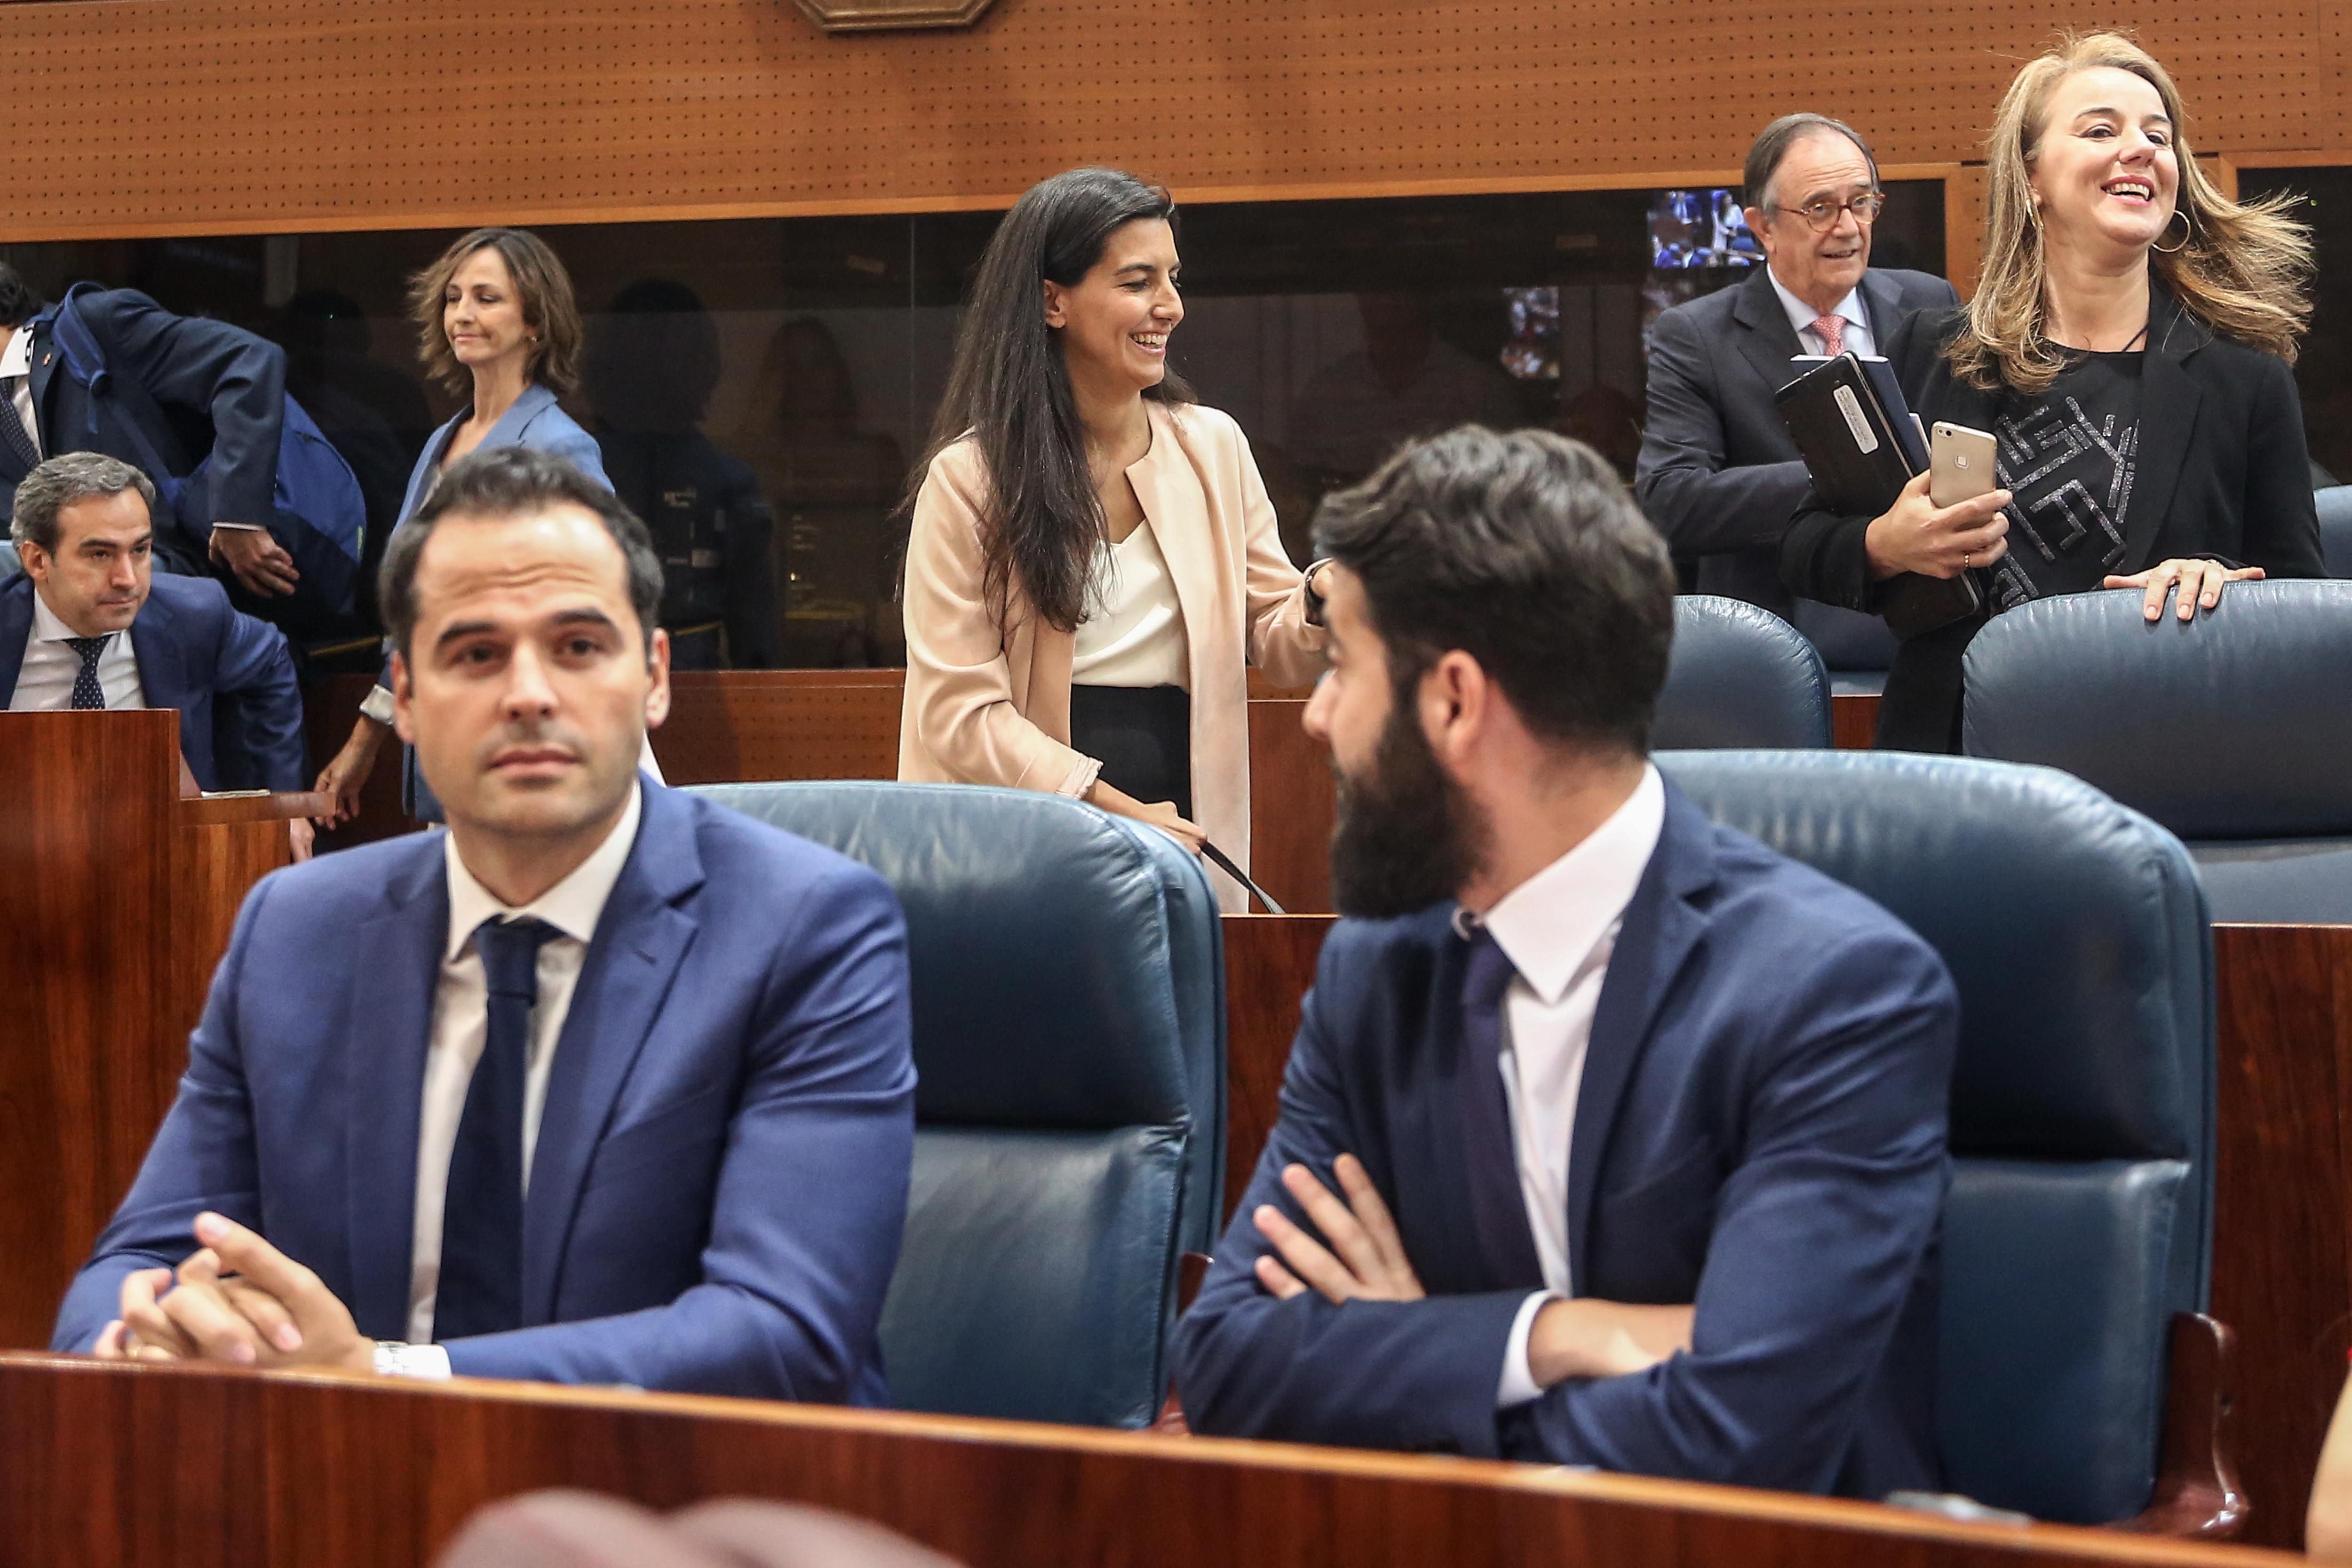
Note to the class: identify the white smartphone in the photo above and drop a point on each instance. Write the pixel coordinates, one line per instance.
(1960, 464)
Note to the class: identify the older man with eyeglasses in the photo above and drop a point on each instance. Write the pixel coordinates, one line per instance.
(1719, 475)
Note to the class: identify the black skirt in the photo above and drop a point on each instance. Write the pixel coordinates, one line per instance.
(1142, 735)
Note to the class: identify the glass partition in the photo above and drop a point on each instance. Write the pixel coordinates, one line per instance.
(762, 386)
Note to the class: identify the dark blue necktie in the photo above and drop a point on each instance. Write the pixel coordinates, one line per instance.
(88, 693)
(481, 1217)
(15, 439)
(1497, 1205)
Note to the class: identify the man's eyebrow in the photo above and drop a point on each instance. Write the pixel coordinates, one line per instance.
(457, 630)
(586, 616)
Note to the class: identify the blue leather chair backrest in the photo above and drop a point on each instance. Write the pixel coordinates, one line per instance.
(2334, 504)
(1740, 677)
(1069, 1023)
(2233, 729)
(1849, 640)
(2081, 1132)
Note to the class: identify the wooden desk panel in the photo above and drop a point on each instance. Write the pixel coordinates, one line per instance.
(1853, 721)
(741, 725)
(118, 896)
(1269, 963)
(137, 1466)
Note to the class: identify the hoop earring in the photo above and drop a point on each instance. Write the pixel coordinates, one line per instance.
(2188, 229)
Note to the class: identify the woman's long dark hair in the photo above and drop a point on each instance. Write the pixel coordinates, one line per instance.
(1012, 392)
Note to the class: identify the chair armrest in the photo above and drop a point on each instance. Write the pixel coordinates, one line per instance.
(2197, 1491)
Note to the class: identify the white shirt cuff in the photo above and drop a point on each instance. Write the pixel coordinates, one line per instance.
(1518, 1384)
(245, 527)
(377, 704)
(430, 1363)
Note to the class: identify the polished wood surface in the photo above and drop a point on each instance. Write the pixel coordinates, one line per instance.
(1291, 808)
(731, 726)
(118, 896)
(205, 117)
(134, 1465)
(1269, 963)
(1853, 721)
(2283, 1204)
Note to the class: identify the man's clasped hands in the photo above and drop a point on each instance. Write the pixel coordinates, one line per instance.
(237, 1300)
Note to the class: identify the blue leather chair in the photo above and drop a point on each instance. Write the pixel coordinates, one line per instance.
(2233, 729)
(2334, 504)
(1070, 1016)
(2082, 1137)
(1740, 675)
(1858, 649)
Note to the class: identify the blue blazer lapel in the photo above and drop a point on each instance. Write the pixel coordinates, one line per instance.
(1659, 930)
(508, 431)
(15, 625)
(1881, 301)
(385, 1037)
(428, 466)
(640, 940)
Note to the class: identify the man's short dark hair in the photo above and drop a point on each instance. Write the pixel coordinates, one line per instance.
(64, 480)
(513, 481)
(1771, 148)
(19, 300)
(1525, 551)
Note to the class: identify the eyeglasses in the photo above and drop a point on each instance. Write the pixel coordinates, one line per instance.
(1822, 216)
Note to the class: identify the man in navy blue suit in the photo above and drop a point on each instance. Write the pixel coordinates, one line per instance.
(196, 385)
(606, 1084)
(89, 625)
(1609, 1137)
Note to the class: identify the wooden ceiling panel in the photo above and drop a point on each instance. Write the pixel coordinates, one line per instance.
(219, 116)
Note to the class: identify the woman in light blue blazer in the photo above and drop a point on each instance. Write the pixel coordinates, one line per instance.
(495, 318)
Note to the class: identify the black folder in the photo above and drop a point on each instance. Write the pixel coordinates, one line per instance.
(1855, 432)
(1862, 444)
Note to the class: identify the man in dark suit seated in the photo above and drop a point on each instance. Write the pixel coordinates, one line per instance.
(606, 1084)
(1718, 472)
(1609, 1137)
(192, 381)
(89, 625)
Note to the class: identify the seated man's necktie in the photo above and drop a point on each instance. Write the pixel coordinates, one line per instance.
(1833, 331)
(480, 1289)
(87, 691)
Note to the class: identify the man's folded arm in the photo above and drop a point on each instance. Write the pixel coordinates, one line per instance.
(1816, 1246)
(203, 1158)
(1388, 1375)
(1682, 480)
(811, 1199)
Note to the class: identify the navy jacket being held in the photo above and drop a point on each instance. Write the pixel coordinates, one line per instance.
(229, 674)
(1761, 1130)
(2223, 473)
(219, 388)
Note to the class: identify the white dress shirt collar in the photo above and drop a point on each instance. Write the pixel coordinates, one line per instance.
(16, 359)
(572, 906)
(47, 625)
(1548, 925)
(1802, 316)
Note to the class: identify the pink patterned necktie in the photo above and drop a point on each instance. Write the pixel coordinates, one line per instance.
(1833, 331)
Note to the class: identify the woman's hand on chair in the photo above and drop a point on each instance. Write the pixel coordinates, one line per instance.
(2200, 583)
(1161, 813)
(1918, 535)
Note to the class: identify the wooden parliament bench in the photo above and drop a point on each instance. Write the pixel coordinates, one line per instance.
(203, 1468)
(106, 993)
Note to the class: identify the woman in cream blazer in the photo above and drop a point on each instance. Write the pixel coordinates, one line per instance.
(1138, 559)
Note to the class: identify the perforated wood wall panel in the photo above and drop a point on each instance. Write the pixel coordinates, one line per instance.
(215, 116)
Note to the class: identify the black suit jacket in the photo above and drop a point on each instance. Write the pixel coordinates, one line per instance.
(215, 387)
(1719, 475)
(2222, 473)
(1759, 1129)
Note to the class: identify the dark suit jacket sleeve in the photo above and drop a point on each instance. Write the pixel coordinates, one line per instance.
(1380, 1374)
(2282, 530)
(810, 1199)
(203, 1158)
(1701, 506)
(1818, 1236)
(225, 373)
(254, 673)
